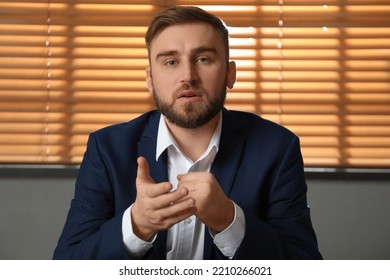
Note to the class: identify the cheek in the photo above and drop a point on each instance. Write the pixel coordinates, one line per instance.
(163, 89)
(214, 80)
(163, 80)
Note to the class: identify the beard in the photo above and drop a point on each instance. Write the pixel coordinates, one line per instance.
(191, 115)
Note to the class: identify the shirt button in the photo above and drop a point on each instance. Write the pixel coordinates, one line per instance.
(188, 221)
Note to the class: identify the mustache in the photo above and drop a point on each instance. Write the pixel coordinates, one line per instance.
(190, 86)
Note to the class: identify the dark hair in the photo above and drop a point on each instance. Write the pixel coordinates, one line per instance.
(185, 14)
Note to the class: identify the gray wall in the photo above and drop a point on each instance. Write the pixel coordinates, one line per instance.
(351, 217)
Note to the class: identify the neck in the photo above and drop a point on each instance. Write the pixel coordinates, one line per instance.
(193, 142)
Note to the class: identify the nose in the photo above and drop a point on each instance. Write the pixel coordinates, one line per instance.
(189, 73)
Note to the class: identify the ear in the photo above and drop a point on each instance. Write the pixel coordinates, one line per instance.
(231, 75)
(149, 80)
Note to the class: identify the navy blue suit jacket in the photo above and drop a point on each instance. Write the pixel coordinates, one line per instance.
(258, 165)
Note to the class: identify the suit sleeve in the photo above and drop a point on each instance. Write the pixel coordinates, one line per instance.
(92, 229)
(285, 230)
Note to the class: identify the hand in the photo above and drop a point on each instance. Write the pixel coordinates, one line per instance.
(213, 207)
(156, 208)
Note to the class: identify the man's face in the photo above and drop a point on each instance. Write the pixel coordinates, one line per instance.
(189, 73)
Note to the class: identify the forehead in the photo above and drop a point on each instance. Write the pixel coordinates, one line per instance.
(186, 37)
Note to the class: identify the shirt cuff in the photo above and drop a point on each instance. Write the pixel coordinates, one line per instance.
(135, 246)
(230, 239)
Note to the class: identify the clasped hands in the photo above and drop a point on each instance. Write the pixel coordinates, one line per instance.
(157, 207)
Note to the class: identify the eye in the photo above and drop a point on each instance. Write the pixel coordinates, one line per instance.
(203, 59)
(170, 62)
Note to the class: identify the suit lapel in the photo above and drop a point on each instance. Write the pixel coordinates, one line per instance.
(226, 164)
(147, 148)
(158, 171)
(228, 158)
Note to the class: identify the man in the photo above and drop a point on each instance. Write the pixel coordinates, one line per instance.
(190, 180)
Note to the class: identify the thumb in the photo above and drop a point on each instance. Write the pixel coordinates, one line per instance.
(143, 171)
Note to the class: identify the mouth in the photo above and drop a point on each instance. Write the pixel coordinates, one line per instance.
(189, 94)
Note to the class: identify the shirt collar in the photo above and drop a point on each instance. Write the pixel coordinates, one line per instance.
(165, 138)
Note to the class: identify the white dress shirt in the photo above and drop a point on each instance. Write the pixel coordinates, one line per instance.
(185, 239)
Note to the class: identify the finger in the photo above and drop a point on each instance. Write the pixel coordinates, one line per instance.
(179, 210)
(188, 181)
(192, 176)
(143, 173)
(156, 190)
(166, 200)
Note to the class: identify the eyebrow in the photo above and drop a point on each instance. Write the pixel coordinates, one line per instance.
(165, 54)
(194, 51)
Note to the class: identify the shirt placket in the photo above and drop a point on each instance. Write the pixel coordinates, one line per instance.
(187, 229)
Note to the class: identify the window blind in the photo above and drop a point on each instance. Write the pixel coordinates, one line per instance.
(320, 68)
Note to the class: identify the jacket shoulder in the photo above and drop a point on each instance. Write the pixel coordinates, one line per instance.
(254, 123)
(132, 127)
